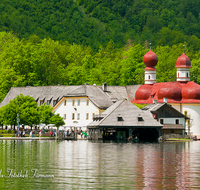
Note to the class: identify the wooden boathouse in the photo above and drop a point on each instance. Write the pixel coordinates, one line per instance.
(123, 120)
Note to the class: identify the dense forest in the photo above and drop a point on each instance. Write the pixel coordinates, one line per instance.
(70, 42)
(95, 22)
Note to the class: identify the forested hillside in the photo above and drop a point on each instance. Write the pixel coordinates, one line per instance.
(96, 22)
(66, 42)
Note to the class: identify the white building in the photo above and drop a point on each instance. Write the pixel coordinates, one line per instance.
(80, 106)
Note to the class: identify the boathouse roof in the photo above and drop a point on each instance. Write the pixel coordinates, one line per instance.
(124, 114)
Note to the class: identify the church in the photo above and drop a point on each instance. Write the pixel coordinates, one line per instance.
(183, 94)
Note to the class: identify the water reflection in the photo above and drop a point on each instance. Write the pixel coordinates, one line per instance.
(97, 165)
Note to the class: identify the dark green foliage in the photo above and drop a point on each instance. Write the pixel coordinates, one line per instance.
(94, 23)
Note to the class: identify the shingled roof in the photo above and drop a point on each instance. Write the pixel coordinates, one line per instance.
(39, 93)
(102, 99)
(129, 114)
(155, 107)
(94, 93)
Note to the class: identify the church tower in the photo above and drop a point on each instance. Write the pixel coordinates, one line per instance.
(183, 66)
(150, 59)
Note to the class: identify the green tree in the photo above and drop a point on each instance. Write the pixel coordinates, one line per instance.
(45, 112)
(57, 120)
(25, 106)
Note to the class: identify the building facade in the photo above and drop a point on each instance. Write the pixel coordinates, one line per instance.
(183, 94)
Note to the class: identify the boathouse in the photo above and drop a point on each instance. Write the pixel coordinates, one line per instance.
(123, 120)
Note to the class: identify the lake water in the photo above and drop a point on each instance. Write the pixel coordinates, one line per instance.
(96, 165)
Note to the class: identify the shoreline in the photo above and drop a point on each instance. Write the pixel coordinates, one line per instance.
(27, 138)
(38, 138)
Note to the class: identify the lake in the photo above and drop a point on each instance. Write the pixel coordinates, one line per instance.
(83, 164)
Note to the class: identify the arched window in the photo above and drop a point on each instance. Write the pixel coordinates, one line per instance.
(187, 74)
(149, 76)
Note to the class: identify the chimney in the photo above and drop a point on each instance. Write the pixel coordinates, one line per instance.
(165, 100)
(154, 101)
(104, 86)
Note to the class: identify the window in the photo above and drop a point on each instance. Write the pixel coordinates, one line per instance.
(64, 116)
(87, 116)
(73, 116)
(149, 76)
(120, 119)
(87, 103)
(48, 102)
(161, 121)
(79, 102)
(93, 114)
(140, 119)
(178, 74)
(187, 74)
(73, 102)
(41, 102)
(78, 116)
(54, 102)
(177, 121)
(65, 102)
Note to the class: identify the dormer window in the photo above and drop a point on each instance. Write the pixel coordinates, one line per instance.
(41, 102)
(140, 118)
(48, 102)
(120, 119)
(54, 102)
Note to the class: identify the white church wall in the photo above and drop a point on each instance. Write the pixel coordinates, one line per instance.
(193, 111)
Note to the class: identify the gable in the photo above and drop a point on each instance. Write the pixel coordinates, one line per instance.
(167, 111)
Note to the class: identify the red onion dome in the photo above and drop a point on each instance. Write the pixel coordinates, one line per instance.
(144, 92)
(183, 61)
(150, 59)
(191, 90)
(170, 90)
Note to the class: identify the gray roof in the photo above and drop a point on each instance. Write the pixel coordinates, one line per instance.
(121, 92)
(102, 99)
(94, 93)
(131, 90)
(153, 107)
(39, 93)
(129, 114)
